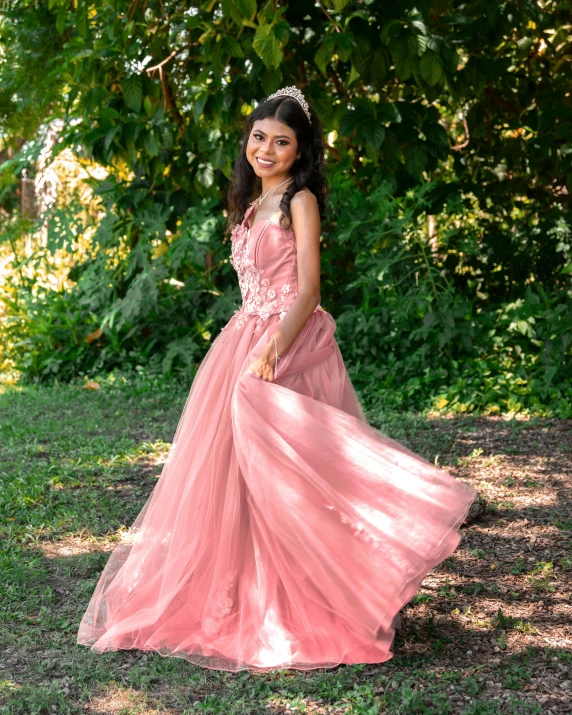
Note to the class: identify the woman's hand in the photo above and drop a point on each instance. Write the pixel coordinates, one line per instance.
(264, 365)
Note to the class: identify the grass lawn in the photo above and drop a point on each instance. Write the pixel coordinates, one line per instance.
(489, 632)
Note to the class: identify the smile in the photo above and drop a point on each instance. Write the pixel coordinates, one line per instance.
(264, 162)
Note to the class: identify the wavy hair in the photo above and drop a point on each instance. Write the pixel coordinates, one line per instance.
(307, 171)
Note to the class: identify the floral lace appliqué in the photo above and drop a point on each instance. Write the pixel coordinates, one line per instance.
(220, 605)
(141, 566)
(258, 298)
(359, 529)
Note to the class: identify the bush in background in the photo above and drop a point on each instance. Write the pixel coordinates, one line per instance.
(447, 252)
(414, 323)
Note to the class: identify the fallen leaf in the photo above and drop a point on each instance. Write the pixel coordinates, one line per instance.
(91, 385)
(94, 336)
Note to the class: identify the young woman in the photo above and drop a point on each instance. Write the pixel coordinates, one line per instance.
(284, 531)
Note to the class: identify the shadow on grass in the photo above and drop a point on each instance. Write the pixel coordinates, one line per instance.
(488, 631)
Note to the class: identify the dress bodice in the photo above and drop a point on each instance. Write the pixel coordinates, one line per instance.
(265, 260)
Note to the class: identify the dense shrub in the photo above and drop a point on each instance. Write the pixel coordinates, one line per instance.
(415, 324)
(448, 256)
(474, 322)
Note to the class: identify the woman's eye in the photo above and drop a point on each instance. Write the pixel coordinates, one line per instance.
(282, 142)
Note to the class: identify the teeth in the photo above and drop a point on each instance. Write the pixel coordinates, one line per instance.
(264, 161)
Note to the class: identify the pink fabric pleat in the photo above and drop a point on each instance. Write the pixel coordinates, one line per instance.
(284, 531)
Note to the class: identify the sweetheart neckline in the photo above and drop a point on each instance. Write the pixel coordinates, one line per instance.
(259, 220)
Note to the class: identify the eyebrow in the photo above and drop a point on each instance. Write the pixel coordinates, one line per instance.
(278, 136)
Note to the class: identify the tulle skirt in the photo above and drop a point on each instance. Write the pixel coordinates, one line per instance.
(284, 530)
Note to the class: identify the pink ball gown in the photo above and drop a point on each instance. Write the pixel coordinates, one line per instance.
(284, 530)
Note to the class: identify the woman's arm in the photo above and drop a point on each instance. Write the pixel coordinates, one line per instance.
(306, 225)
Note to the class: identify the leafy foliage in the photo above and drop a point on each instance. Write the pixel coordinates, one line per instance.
(448, 255)
(418, 328)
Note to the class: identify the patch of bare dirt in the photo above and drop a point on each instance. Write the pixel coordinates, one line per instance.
(507, 590)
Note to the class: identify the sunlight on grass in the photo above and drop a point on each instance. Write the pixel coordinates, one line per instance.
(117, 699)
(74, 546)
(77, 466)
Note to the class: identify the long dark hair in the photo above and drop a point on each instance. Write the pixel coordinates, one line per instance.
(307, 171)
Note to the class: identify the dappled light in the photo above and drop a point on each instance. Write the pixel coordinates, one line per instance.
(492, 621)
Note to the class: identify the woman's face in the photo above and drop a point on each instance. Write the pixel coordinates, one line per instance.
(272, 148)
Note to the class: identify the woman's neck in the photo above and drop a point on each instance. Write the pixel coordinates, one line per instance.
(273, 182)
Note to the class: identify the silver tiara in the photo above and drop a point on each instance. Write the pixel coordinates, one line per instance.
(295, 93)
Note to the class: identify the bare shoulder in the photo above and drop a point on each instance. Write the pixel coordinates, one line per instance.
(304, 199)
(304, 203)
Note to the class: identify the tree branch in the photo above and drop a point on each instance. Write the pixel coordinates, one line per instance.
(458, 147)
(160, 65)
(328, 16)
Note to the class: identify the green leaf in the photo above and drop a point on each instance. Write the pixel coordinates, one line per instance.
(403, 45)
(81, 55)
(282, 31)
(199, 105)
(271, 80)
(415, 159)
(371, 65)
(147, 105)
(422, 42)
(419, 25)
(388, 112)
(390, 30)
(404, 68)
(110, 136)
(229, 9)
(269, 13)
(473, 74)
(151, 143)
(345, 43)
(430, 66)
(337, 5)
(267, 46)
(524, 44)
(81, 22)
(61, 21)
(205, 175)
(567, 269)
(349, 122)
(218, 157)
(131, 149)
(247, 8)
(390, 145)
(232, 46)
(324, 54)
(373, 132)
(371, 153)
(107, 114)
(433, 43)
(437, 139)
(354, 74)
(449, 59)
(132, 90)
